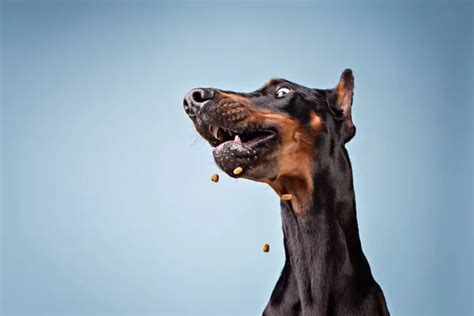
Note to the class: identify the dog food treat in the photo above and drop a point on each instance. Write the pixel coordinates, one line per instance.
(238, 170)
(286, 197)
(266, 248)
(215, 177)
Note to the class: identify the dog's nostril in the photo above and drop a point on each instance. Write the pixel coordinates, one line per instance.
(198, 96)
(195, 99)
(187, 108)
(185, 105)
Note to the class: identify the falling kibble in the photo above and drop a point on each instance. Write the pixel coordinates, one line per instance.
(238, 170)
(266, 248)
(286, 197)
(215, 177)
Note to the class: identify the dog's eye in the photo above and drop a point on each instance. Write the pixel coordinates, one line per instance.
(282, 92)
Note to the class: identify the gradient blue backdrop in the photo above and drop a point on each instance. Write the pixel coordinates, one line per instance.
(107, 207)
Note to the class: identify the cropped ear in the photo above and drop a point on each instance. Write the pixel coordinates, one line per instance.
(345, 91)
(340, 102)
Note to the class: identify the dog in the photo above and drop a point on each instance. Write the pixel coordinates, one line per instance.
(293, 138)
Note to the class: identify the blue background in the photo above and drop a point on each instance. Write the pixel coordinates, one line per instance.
(107, 206)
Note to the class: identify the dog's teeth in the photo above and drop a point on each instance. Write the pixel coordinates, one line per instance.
(237, 140)
(214, 131)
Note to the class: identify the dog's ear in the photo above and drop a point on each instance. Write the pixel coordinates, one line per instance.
(340, 103)
(345, 91)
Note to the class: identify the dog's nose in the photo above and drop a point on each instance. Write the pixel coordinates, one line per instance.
(195, 99)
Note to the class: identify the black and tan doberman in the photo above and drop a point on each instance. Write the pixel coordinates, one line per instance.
(293, 138)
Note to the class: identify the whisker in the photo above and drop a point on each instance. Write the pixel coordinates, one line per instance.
(196, 140)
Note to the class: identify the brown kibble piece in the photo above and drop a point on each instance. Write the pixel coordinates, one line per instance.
(266, 248)
(286, 197)
(238, 170)
(215, 177)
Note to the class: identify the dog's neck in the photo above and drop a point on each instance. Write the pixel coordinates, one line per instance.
(330, 219)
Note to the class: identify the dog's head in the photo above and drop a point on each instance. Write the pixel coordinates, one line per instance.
(276, 133)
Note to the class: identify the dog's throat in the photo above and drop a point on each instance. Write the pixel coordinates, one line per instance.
(299, 186)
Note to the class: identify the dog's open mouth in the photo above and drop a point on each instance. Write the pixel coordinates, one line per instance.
(241, 148)
(246, 138)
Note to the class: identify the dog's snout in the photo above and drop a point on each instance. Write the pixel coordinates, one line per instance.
(194, 100)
